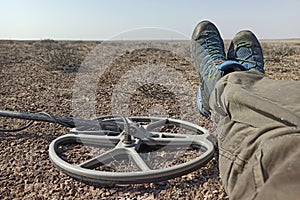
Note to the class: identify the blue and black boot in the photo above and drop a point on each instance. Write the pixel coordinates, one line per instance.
(246, 49)
(210, 61)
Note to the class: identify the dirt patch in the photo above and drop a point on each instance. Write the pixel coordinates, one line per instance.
(39, 76)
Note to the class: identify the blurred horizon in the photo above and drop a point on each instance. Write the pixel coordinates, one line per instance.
(100, 20)
(99, 40)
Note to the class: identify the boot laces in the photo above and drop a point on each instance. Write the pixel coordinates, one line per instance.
(246, 54)
(214, 46)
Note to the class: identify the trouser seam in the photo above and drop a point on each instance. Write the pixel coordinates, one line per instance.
(281, 137)
(232, 157)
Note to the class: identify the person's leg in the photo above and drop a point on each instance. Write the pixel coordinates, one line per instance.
(259, 135)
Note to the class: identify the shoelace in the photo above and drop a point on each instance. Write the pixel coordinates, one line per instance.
(213, 45)
(214, 48)
(246, 59)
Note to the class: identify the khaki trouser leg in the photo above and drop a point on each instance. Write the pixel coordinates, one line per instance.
(259, 138)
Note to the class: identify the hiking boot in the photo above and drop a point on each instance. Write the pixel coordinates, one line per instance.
(246, 49)
(210, 61)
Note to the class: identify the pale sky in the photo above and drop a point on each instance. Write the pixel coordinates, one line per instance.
(104, 19)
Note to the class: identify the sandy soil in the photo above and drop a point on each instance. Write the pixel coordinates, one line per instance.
(40, 76)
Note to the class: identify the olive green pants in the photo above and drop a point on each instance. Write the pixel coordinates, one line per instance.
(258, 136)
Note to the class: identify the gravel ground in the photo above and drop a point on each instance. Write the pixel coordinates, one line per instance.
(40, 76)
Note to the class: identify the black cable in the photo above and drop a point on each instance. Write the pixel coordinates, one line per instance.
(18, 129)
(60, 122)
(31, 122)
(54, 119)
(127, 136)
(126, 124)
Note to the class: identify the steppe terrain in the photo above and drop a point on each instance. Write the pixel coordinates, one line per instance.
(39, 76)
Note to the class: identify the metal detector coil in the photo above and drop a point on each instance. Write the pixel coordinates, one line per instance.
(120, 150)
